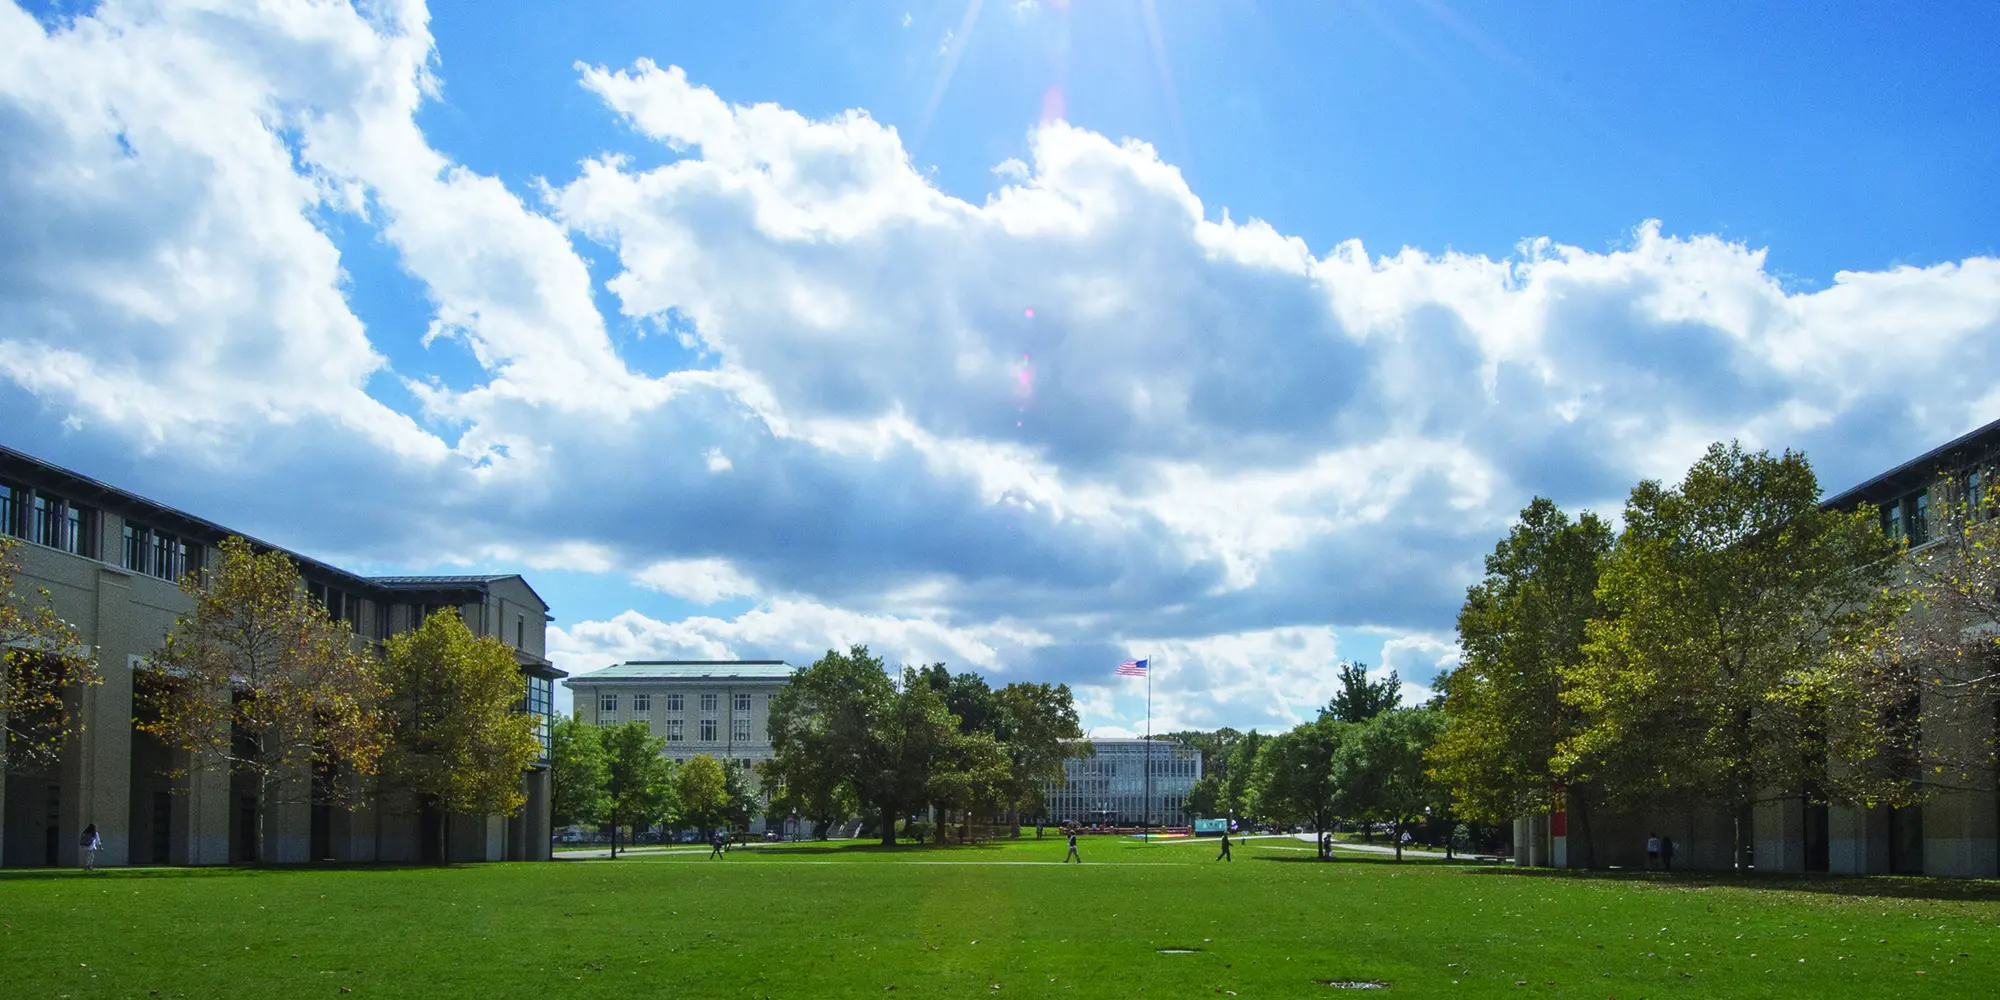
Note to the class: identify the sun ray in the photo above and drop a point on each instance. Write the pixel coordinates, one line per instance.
(1166, 71)
(955, 47)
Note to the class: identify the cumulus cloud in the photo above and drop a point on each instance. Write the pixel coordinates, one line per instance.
(1031, 431)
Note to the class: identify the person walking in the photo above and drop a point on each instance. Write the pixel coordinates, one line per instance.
(1326, 845)
(1652, 850)
(1224, 856)
(1072, 855)
(715, 845)
(1667, 853)
(91, 844)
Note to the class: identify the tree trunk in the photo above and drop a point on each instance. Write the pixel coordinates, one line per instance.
(614, 833)
(1397, 833)
(1741, 846)
(888, 826)
(1582, 803)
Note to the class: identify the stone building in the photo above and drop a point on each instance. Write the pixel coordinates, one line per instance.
(721, 708)
(110, 559)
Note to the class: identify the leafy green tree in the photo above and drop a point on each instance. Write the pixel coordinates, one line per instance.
(1205, 798)
(1214, 748)
(457, 736)
(578, 773)
(744, 801)
(1038, 729)
(1360, 699)
(1728, 598)
(702, 786)
(824, 728)
(1380, 772)
(639, 785)
(971, 774)
(1293, 778)
(1520, 629)
(41, 659)
(1239, 790)
(259, 679)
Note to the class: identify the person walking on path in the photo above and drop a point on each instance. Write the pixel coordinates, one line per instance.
(1326, 845)
(1667, 853)
(1652, 850)
(1072, 855)
(1224, 856)
(91, 844)
(715, 845)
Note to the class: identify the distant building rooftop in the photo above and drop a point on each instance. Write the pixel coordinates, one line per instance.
(686, 670)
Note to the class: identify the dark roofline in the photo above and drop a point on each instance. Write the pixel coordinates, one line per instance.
(461, 581)
(75, 485)
(1924, 466)
(702, 663)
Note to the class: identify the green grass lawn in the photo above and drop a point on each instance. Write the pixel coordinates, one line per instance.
(809, 921)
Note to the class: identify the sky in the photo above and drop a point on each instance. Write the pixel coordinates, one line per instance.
(1023, 336)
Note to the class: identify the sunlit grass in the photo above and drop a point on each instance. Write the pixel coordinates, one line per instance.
(852, 919)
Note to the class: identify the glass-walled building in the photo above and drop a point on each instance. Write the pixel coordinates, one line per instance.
(1110, 786)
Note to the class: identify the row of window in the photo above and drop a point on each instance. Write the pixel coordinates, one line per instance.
(642, 704)
(541, 707)
(48, 520)
(157, 553)
(1909, 518)
(706, 731)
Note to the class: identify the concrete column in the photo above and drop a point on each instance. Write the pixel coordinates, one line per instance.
(1959, 834)
(1857, 840)
(1778, 833)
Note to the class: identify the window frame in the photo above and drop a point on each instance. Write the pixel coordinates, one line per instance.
(676, 703)
(707, 732)
(709, 702)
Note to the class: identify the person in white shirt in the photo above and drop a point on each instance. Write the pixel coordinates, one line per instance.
(1653, 850)
(91, 844)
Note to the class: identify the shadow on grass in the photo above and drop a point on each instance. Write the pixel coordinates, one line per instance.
(1372, 859)
(44, 874)
(1858, 886)
(787, 850)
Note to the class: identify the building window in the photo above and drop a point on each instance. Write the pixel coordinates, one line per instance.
(708, 703)
(642, 706)
(674, 730)
(520, 631)
(10, 509)
(607, 707)
(1920, 519)
(541, 703)
(1892, 520)
(674, 704)
(743, 703)
(740, 731)
(1975, 494)
(708, 730)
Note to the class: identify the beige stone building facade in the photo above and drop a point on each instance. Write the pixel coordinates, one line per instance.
(109, 559)
(721, 708)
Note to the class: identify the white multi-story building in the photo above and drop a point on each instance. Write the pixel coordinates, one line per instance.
(721, 708)
(1111, 786)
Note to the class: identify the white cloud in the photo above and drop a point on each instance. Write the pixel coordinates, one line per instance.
(1011, 434)
(703, 581)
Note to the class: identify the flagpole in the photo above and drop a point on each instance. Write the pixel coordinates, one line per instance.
(1146, 829)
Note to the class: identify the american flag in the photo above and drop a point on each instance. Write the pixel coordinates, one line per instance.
(1132, 668)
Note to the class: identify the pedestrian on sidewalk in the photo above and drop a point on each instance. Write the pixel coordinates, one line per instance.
(716, 844)
(1072, 855)
(91, 844)
(1224, 856)
(1652, 851)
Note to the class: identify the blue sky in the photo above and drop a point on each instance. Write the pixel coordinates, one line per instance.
(1025, 336)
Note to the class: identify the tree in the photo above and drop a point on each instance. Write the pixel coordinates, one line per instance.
(457, 735)
(1360, 699)
(1205, 798)
(703, 788)
(823, 728)
(43, 666)
(1294, 774)
(1727, 599)
(904, 751)
(1038, 729)
(258, 678)
(578, 773)
(1381, 774)
(1238, 787)
(971, 773)
(742, 807)
(1520, 629)
(639, 780)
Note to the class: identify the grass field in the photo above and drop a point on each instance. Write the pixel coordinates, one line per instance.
(828, 921)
